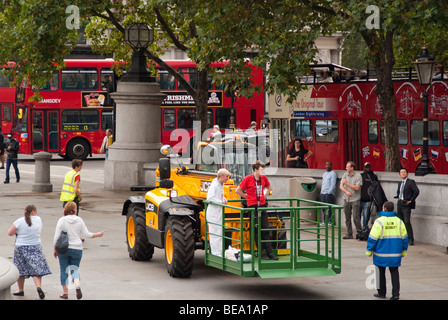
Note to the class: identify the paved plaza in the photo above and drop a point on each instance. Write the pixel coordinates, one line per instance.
(107, 272)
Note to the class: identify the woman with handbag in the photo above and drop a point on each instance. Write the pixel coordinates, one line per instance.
(28, 256)
(298, 155)
(69, 260)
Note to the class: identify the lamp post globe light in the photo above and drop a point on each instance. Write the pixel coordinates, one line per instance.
(424, 66)
(138, 36)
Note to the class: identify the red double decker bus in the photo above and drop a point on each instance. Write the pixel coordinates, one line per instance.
(74, 113)
(7, 101)
(340, 118)
(225, 109)
(76, 108)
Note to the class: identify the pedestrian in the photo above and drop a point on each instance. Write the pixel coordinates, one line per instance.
(351, 183)
(298, 155)
(216, 133)
(107, 141)
(388, 242)
(215, 193)
(407, 192)
(71, 259)
(368, 176)
(327, 190)
(12, 148)
(2, 149)
(255, 188)
(28, 255)
(70, 187)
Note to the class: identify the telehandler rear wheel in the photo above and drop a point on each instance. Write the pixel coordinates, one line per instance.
(138, 246)
(179, 246)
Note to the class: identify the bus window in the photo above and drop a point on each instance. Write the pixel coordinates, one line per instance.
(165, 80)
(79, 79)
(372, 133)
(417, 132)
(53, 83)
(327, 131)
(80, 120)
(222, 117)
(445, 133)
(209, 118)
(402, 132)
(4, 79)
(107, 80)
(186, 118)
(20, 122)
(169, 119)
(301, 129)
(106, 119)
(7, 113)
(189, 74)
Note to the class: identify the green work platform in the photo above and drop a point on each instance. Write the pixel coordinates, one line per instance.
(305, 248)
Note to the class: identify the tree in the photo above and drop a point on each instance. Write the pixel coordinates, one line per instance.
(278, 34)
(388, 27)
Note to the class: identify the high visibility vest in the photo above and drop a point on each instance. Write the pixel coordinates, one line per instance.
(68, 188)
(388, 240)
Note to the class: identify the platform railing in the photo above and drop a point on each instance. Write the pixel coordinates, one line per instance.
(304, 246)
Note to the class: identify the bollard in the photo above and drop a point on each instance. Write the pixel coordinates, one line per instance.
(42, 172)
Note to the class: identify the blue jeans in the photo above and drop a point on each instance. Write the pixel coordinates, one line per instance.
(327, 198)
(69, 261)
(365, 213)
(16, 168)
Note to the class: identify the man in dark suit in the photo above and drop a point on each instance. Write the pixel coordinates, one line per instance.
(407, 192)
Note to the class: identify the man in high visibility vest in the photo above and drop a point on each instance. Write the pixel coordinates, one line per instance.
(70, 187)
(388, 241)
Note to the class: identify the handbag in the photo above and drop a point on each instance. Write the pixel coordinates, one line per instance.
(61, 245)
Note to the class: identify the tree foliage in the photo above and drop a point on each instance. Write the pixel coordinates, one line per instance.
(279, 35)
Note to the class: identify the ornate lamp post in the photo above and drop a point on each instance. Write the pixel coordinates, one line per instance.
(134, 155)
(138, 36)
(424, 65)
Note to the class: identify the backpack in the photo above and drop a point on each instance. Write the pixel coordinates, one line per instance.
(377, 195)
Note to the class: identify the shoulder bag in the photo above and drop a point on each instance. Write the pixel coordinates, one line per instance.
(61, 245)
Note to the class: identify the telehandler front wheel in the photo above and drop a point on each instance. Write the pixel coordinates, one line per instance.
(138, 246)
(179, 246)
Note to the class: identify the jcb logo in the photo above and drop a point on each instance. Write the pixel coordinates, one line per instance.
(205, 185)
(149, 207)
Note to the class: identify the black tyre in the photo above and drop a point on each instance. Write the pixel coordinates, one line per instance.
(179, 246)
(138, 246)
(78, 149)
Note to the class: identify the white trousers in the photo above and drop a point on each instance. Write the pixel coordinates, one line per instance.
(214, 215)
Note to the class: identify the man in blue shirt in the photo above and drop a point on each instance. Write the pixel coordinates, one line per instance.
(328, 187)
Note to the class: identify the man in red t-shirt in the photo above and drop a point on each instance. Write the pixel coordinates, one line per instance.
(254, 188)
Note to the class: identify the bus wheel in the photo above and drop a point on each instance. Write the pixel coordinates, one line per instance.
(179, 246)
(78, 149)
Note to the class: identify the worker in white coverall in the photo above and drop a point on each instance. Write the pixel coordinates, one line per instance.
(215, 194)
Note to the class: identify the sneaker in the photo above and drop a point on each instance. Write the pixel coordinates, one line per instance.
(78, 293)
(348, 236)
(6, 181)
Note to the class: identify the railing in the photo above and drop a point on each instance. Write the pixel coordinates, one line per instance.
(305, 247)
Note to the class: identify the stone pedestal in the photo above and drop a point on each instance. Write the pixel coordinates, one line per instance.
(42, 172)
(138, 139)
(9, 274)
